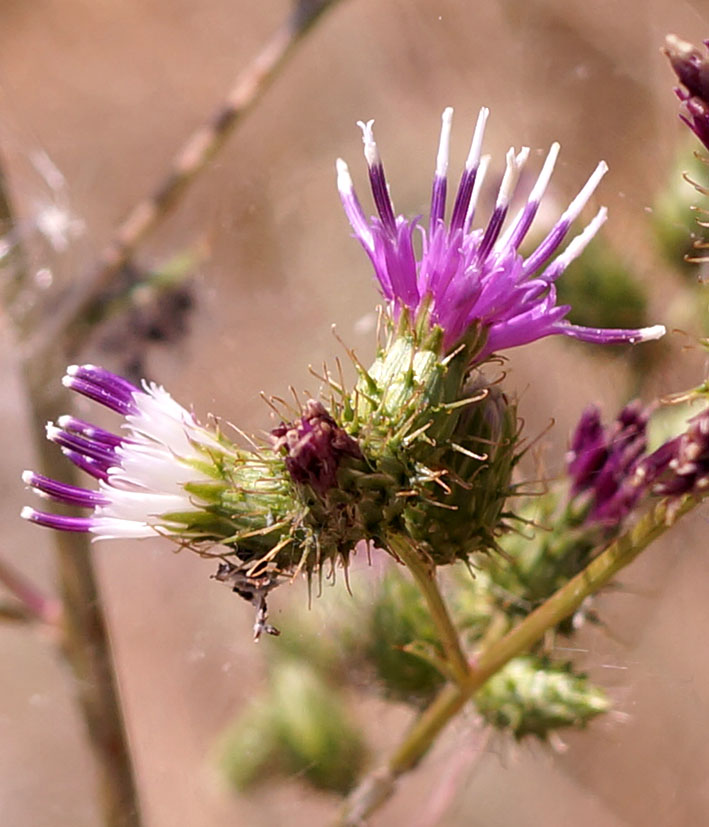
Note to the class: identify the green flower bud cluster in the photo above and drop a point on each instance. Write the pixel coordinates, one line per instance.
(441, 441)
(534, 696)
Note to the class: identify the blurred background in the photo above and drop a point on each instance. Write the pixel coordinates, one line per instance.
(107, 92)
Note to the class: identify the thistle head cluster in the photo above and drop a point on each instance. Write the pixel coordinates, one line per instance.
(423, 446)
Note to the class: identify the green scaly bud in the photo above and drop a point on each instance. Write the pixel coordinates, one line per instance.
(532, 696)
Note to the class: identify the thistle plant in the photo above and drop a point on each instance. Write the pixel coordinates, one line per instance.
(420, 452)
(418, 459)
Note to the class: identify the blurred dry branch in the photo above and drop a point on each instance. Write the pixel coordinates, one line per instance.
(84, 637)
(32, 603)
(72, 324)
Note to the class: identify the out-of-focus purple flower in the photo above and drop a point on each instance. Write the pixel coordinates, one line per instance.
(681, 465)
(691, 66)
(314, 446)
(474, 281)
(602, 462)
(141, 474)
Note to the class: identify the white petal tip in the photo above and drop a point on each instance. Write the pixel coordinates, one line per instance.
(344, 179)
(28, 477)
(27, 512)
(68, 380)
(444, 143)
(649, 334)
(371, 153)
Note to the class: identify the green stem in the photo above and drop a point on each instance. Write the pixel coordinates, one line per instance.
(378, 786)
(424, 573)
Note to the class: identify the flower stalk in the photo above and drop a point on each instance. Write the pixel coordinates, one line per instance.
(425, 576)
(378, 786)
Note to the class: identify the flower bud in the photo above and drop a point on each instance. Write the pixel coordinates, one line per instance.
(532, 696)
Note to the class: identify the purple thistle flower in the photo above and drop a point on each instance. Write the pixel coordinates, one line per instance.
(603, 462)
(692, 69)
(141, 474)
(469, 280)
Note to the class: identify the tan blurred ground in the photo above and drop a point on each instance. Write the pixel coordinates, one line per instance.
(109, 90)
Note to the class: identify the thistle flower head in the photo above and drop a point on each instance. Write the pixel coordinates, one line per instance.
(474, 283)
(147, 476)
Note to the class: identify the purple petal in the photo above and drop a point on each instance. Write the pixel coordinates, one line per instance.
(61, 492)
(57, 521)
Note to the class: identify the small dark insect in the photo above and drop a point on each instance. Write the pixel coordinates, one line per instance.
(252, 588)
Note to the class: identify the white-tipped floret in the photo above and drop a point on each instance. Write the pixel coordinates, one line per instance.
(371, 153)
(574, 209)
(344, 179)
(473, 158)
(542, 181)
(649, 334)
(477, 187)
(345, 187)
(515, 162)
(28, 477)
(444, 143)
(578, 244)
(52, 431)
(28, 512)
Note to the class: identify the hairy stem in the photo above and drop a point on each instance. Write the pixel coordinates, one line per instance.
(378, 786)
